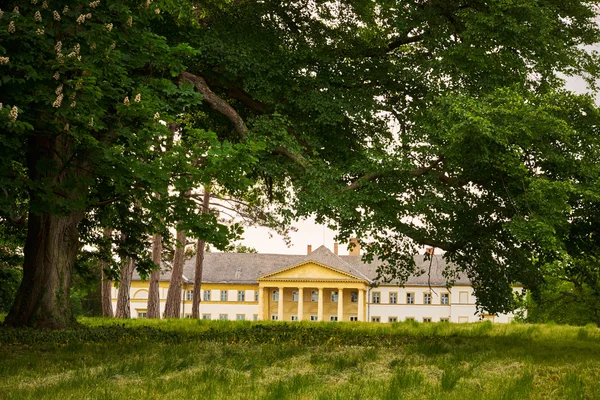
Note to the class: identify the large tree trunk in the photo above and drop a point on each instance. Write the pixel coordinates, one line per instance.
(199, 261)
(107, 309)
(123, 304)
(50, 249)
(153, 293)
(173, 304)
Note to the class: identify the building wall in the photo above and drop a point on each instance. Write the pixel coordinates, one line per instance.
(461, 308)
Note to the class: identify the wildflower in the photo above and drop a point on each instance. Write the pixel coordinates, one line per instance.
(56, 15)
(59, 90)
(16, 10)
(37, 16)
(4, 60)
(130, 21)
(44, 4)
(109, 27)
(138, 97)
(94, 4)
(157, 11)
(58, 46)
(39, 31)
(65, 10)
(56, 75)
(11, 27)
(156, 116)
(13, 114)
(126, 101)
(81, 19)
(58, 101)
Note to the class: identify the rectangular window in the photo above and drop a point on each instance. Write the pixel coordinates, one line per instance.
(426, 319)
(142, 314)
(354, 297)
(205, 316)
(314, 295)
(190, 295)
(446, 298)
(256, 295)
(240, 317)
(294, 318)
(410, 298)
(255, 317)
(207, 295)
(314, 318)
(393, 298)
(409, 318)
(241, 295)
(376, 297)
(295, 295)
(275, 295)
(444, 319)
(223, 295)
(274, 317)
(375, 319)
(188, 315)
(353, 318)
(463, 297)
(334, 297)
(333, 318)
(462, 320)
(426, 298)
(223, 317)
(392, 319)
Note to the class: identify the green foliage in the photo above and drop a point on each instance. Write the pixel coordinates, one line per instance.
(10, 279)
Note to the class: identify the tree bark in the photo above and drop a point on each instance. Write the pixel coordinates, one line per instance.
(107, 310)
(123, 303)
(173, 303)
(198, 266)
(50, 249)
(153, 292)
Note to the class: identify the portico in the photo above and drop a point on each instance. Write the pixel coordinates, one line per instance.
(312, 291)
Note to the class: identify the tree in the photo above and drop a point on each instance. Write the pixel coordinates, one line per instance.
(378, 116)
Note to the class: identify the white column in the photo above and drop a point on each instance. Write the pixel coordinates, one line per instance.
(280, 305)
(340, 313)
(300, 303)
(361, 305)
(320, 305)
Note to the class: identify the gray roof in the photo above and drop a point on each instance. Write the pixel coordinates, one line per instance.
(247, 267)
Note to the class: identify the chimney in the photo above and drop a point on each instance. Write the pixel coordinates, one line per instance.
(430, 250)
(309, 249)
(335, 248)
(355, 251)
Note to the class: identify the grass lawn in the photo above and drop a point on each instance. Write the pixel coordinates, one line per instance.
(187, 359)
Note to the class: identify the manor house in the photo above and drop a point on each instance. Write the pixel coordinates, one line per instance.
(319, 286)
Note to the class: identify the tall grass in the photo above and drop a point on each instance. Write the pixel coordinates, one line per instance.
(244, 360)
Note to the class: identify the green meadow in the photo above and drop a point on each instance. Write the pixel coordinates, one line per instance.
(244, 360)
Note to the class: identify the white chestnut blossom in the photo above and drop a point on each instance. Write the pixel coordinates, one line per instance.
(67, 127)
(58, 46)
(33, 1)
(126, 101)
(65, 10)
(58, 101)
(16, 10)
(94, 4)
(56, 15)
(4, 60)
(138, 97)
(37, 16)
(156, 116)
(56, 75)
(157, 11)
(44, 4)
(59, 90)
(13, 114)
(39, 31)
(91, 121)
(73, 104)
(1, 13)
(130, 21)
(11, 27)
(88, 16)
(109, 27)
(81, 19)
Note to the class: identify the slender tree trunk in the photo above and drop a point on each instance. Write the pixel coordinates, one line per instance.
(123, 303)
(107, 309)
(153, 293)
(50, 249)
(200, 260)
(173, 304)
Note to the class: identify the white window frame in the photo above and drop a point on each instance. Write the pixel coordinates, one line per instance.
(314, 296)
(224, 295)
(376, 297)
(445, 296)
(241, 295)
(224, 317)
(274, 317)
(353, 297)
(410, 297)
(314, 317)
(392, 319)
(295, 295)
(256, 295)
(142, 314)
(206, 295)
(375, 319)
(294, 318)
(335, 296)
(275, 295)
(393, 297)
(240, 317)
(206, 316)
(333, 318)
(190, 295)
(427, 319)
(427, 298)
(353, 318)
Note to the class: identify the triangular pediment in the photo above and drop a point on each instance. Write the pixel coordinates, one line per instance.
(310, 270)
